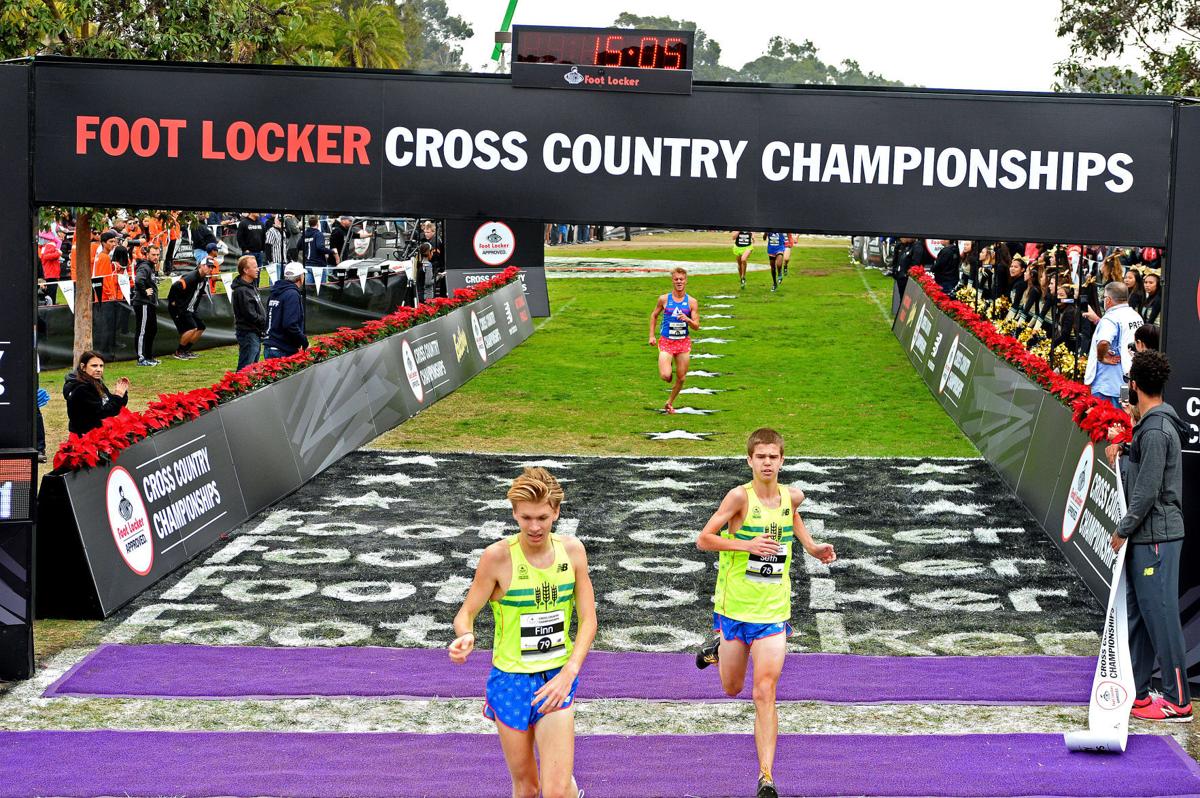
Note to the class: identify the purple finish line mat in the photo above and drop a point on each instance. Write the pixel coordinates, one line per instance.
(184, 671)
(411, 765)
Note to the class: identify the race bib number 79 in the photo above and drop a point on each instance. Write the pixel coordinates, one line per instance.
(543, 635)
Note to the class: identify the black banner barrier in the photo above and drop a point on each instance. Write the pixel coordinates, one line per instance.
(1181, 332)
(477, 249)
(476, 147)
(1026, 434)
(340, 304)
(109, 533)
(18, 381)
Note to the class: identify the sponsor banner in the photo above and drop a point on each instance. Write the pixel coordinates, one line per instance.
(476, 249)
(169, 497)
(1113, 685)
(1022, 431)
(753, 157)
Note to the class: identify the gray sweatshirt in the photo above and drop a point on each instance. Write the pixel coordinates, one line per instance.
(1153, 473)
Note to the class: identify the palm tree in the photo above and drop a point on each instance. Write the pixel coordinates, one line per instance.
(370, 36)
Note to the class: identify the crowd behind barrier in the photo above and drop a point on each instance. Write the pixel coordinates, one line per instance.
(1050, 297)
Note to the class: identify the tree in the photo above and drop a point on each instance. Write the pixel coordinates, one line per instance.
(1163, 35)
(370, 35)
(433, 36)
(786, 61)
(706, 56)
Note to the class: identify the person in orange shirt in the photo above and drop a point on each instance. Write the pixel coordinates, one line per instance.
(102, 267)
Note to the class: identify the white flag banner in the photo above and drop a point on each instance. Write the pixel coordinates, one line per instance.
(227, 281)
(68, 289)
(1112, 686)
(123, 284)
(273, 270)
(362, 280)
(318, 276)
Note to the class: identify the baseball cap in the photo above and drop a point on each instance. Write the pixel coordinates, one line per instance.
(292, 271)
(108, 235)
(211, 248)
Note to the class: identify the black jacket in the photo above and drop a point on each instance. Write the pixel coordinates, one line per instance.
(202, 236)
(251, 237)
(1151, 308)
(143, 282)
(285, 318)
(87, 409)
(1153, 474)
(248, 312)
(183, 294)
(315, 251)
(946, 267)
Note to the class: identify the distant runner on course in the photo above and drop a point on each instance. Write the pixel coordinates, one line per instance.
(533, 580)
(753, 530)
(776, 247)
(680, 315)
(743, 245)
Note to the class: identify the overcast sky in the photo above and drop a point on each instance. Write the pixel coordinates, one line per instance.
(962, 44)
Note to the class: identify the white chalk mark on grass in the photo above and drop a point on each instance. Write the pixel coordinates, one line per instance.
(954, 508)
(677, 435)
(551, 318)
(931, 486)
(871, 293)
(934, 468)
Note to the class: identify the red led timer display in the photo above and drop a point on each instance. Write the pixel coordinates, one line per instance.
(638, 49)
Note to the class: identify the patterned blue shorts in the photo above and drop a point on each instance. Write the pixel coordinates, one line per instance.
(748, 632)
(510, 697)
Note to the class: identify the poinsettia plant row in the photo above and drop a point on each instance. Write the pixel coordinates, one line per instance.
(1099, 419)
(106, 442)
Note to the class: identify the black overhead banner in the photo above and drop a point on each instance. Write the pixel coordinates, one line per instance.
(929, 163)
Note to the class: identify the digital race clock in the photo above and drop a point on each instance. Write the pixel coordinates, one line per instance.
(603, 59)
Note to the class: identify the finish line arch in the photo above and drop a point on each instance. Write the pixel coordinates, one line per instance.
(821, 159)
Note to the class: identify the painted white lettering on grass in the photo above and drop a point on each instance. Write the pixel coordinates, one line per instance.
(203, 576)
(1068, 643)
(661, 565)
(423, 531)
(450, 590)
(493, 504)
(332, 632)
(492, 530)
(413, 631)
(815, 507)
(543, 463)
(369, 591)
(277, 519)
(941, 536)
(869, 564)
(150, 616)
(956, 600)
(664, 537)
(336, 529)
(1008, 567)
(866, 537)
(664, 504)
(835, 639)
(226, 632)
(809, 468)
(1026, 599)
(307, 556)
(667, 465)
(395, 480)
(817, 487)
(661, 638)
(369, 499)
(929, 486)
(242, 544)
(824, 595)
(250, 591)
(941, 568)
(395, 558)
(953, 508)
(979, 644)
(666, 483)
(649, 598)
(418, 459)
(935, 468)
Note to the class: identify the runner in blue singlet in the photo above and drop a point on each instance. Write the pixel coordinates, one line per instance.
(776, 246)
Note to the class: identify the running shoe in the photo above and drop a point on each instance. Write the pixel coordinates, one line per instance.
(774, 288)
(191, 355)
(743, 283)
(145, 362)
(180, 355)
(766, 787)
(1163, 710)
(708, 652)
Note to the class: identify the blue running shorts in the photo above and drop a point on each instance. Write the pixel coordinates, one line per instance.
(510, 695)
(748, 632)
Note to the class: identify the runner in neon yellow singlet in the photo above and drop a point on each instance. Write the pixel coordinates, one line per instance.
(533, 581)
(754, 530)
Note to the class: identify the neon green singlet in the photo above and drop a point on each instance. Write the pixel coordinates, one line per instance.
(758, 589)
(533, 618)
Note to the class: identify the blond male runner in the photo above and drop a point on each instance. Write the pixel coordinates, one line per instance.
(680, 315)
(533, 580)
(753, 530)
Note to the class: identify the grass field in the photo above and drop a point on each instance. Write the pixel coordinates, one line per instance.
(817, 360)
